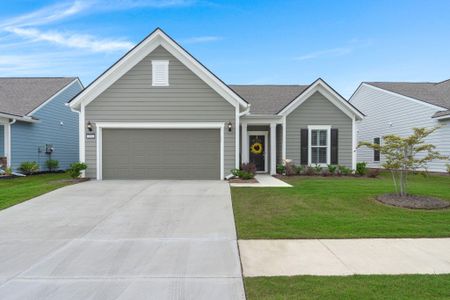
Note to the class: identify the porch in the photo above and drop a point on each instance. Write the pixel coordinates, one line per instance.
(262, 142)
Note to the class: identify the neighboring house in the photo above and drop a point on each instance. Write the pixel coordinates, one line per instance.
(35, 118)
(398, 107)
(158, 113)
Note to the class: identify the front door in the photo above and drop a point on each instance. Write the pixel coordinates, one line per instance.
(257, 150)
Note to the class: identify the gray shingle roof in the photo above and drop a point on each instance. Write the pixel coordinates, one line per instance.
(268, 99)
(437, 93)
(20, 96)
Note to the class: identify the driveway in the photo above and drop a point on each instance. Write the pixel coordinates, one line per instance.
(122, 240)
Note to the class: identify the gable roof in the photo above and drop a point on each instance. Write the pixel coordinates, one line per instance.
(19, 96)
(268, 99)
(155, 39)
(435, 93)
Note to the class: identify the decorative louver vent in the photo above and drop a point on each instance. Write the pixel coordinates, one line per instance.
(160, 72)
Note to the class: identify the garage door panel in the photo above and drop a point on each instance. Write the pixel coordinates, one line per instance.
(161, 153)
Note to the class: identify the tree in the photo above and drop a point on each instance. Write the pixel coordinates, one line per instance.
(406, 154)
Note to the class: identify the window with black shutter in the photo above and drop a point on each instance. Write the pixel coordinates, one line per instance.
(376, 153)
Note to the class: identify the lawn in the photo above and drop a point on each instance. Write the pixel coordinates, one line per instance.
(17, 190)
(349, 287)
(338, 207)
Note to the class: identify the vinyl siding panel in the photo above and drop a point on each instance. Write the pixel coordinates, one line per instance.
(383, 109)
(132, 98)
(317, 110)
(27, 138)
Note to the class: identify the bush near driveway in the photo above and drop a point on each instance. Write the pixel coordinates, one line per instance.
(338, 207)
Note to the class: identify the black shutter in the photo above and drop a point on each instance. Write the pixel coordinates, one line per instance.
(304, 146)
(334, 146)
(376, 153)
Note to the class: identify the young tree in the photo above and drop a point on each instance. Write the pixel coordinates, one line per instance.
(405, 154)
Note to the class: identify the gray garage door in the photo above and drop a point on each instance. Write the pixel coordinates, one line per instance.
(161, 154)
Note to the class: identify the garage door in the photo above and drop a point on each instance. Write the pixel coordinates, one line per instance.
(161, 153)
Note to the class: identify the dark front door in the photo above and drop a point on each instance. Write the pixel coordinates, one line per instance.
(258, 151)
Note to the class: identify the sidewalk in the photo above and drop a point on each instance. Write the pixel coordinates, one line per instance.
(345, 256)
(264, 180)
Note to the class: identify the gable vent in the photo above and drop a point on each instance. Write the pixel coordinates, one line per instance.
(160, 72)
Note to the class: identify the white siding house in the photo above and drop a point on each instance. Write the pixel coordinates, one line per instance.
(391, 112)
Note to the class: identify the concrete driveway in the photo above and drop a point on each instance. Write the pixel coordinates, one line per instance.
(122, 240)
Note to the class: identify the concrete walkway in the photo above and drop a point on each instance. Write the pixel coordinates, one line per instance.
(345, 257)
(264, 180)
(122, 240)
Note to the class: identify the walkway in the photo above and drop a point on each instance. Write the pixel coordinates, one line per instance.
(264, 180)
(345, 257)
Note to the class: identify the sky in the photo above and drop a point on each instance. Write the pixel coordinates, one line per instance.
(242, 42)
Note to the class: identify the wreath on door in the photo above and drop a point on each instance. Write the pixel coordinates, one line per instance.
(256, 148)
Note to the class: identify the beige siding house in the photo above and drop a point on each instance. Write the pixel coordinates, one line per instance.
(158, 113)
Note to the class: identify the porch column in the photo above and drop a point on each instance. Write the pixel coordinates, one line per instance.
(244, 142)
(273, 148)
(7, 143)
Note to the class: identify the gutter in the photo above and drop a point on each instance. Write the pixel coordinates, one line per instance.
(245, 112)
(19, 118)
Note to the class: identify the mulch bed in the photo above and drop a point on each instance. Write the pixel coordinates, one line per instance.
(238, 180)
(413, 202)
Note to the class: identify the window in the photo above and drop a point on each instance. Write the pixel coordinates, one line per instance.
(160, 72)
(376, 153)
(319, 144)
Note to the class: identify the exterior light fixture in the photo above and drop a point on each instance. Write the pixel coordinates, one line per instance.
(89, 126)
(230, 126)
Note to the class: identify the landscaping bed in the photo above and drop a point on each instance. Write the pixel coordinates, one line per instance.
(413, 202)
(239, 180)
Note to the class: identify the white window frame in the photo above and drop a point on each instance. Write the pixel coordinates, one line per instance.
(159, 63)
(319, 127)
(154, 125)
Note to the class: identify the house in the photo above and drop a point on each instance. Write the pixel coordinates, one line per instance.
(35, 122)
(398, 107)
(158, 113)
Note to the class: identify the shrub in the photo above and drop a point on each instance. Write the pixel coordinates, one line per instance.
(361, 168)
(448, 168)
(52, 164)
(326, 173)
(280, 169)
(249, 168)
(8, 171)
(332, 169)
(75, 169)
(317, 169)
(343, 170)
(299, 170)
(290, 169)
(309, 171)
(373, 173)
(29, 167)
(235, 172)
(246, 175)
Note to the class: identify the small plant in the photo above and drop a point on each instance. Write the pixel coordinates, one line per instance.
(361, 168)
(75, 169)
(317, 169)
(326, 173)
(246, 175)
(8, 171)
(281, 169)
(343, 170)
(249, 168)
(299, 170)
(309, 171)
(332, 169)
(235, 172)
(291, 169)
(373, 173)
(52, 165)
(29, 167)
(448, 168)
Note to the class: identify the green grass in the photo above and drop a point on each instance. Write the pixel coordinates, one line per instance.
(17, 190)
(333, 207)
(349, 287)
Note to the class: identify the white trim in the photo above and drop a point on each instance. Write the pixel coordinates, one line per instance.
(19, 118)
(82, 133)
(155, 125)
(398, 95)
(354, 145)
(273, 149)
(7, 143)
(322, 87)
(284, 140)
(320, 127)
(76, 80)
(244, 138)
(237, 137)
(442, 117)
(266, 141)
(157, 38)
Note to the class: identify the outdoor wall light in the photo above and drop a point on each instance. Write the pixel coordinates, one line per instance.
(229, 126)
(89, 126)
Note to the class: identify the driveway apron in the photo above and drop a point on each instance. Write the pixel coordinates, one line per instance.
(122, 240)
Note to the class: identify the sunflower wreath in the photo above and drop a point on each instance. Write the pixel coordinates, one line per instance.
(256, 148)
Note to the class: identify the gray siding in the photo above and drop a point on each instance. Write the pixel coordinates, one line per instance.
(26, 138)
(317, 110)
(132, 98)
